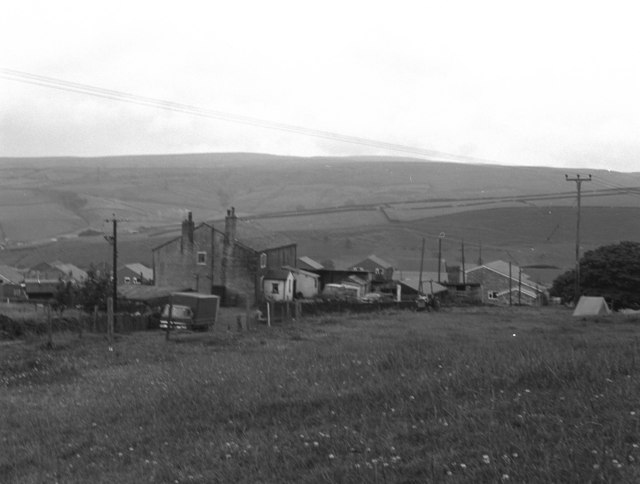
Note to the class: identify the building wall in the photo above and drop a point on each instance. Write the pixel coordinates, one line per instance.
(308, 286)
(382, 274)
(176, 264)
(285, 289)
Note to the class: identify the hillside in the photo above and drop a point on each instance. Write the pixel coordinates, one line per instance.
(382, 205)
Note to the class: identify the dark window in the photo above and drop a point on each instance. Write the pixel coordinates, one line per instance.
(202, 258)
(275, 288)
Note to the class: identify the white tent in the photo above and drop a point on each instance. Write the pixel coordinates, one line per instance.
(591, 306)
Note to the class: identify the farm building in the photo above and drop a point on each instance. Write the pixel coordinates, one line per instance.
(305, 284)
(135, 273)
(504, 283)
(278, 285)
(11, 284)
(379, 268)
(410, 284)
(229, 263)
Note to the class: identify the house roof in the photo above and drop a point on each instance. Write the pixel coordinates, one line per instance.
(412, 280)
(376, 260)
(70, 269)
(277, 274)
(138, 268)
(10, 274)
(309, 263)
(502, 267)
(256, 236)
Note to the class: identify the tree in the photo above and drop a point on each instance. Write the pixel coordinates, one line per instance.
(94, 291)
(611, 271)
(64, 296)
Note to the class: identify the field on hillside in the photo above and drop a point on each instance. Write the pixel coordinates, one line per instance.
(464, 395)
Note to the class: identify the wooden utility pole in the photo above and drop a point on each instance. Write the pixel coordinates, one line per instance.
(578, 181)
(464, 275)
(440, 237)
(420, 291)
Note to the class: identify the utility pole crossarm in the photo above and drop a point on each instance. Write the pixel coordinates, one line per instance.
(578, 181)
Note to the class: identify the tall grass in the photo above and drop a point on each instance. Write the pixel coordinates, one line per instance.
(446, 397)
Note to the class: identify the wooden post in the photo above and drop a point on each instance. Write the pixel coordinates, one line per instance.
(169, 322)
(95, 319)
(268, 315)
(110, 320)
(49, 327)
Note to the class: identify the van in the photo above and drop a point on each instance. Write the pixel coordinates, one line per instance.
(190, 310)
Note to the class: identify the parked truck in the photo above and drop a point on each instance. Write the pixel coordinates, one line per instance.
(190, 310)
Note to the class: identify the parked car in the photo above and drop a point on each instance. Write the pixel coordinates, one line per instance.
(190, 310)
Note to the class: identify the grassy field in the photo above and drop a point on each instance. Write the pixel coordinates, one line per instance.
(464, 395)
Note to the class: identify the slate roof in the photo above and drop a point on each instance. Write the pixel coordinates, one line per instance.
(10, 274)
(502, 267)
(277, 274)
(309, 263)
(376, 260)
(412, 280)
(256, 236)
(75, 272)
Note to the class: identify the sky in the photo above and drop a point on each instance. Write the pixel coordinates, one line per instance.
(545, 83)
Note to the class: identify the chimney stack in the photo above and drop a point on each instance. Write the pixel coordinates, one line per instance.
(188, 228)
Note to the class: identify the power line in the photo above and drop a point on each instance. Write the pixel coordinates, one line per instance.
(59, 84)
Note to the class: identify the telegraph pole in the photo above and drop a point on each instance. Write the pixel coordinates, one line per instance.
(578, 181)
(113, 240)
(440, 237)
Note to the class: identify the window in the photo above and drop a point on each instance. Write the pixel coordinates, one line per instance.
(202, 258)
(263, 260)
(275, 288)
(493, 295)
(127, 280)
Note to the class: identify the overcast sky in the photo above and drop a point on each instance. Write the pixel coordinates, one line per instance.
(526, 83)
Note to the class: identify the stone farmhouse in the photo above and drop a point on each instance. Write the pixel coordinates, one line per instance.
(231, 263)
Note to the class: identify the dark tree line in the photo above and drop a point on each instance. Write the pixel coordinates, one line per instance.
(610, 271)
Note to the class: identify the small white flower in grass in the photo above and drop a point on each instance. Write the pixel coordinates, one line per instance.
(463, 466)
(596, 466)
(514, 335)
(411, 397)
(486, 459)
(505, 477)
(631, 458)
(514, 455)
(632, 413)
(316, 444)
(635, 446)
(331, 456)
(449, 473)
(616, 464)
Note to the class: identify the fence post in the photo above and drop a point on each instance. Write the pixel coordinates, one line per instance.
(268, 315)
(95, 319)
